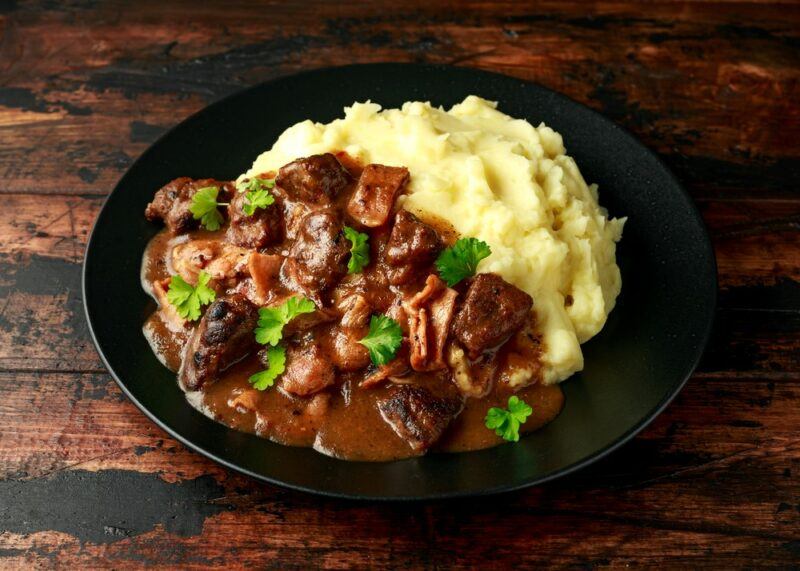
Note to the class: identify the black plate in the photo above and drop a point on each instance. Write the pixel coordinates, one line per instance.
(634, 367)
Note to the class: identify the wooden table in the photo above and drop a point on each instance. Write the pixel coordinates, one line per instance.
(86, 480)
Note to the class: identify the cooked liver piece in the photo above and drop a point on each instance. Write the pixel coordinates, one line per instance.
(492, 311)
(318, 257)
(417, 416)
(412, 241)
(412, 244)
(172, 201)
(373, 199)
(317, 178)
(308, 368)
(262, 228)
(224, 336)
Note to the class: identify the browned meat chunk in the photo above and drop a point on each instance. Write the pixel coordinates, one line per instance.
(343, 340)
(429, 315)
(373, 199)
(346, 353)
(224, 336)
(412, 241)
(308, 368)
(412, 244)
(260, 229)
(317, 178)
(318, 257)
(417, 416)
(493, 310)
(172, 201)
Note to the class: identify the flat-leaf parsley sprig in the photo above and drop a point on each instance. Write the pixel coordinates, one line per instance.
(461, 259)
(276, 365)
(257, 194)
(204, 207)
(383, 339)
(506, 423)
(188, 299)
(271, 320)
(359, 250)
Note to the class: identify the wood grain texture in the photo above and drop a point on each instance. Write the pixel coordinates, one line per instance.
(713, 87)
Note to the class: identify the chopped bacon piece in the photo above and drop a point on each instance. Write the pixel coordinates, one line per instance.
(222, 261)
(429, 315)
(265, 269)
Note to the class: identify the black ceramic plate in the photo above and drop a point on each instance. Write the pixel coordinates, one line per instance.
(634, 367)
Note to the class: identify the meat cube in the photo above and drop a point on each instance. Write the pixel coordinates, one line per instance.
(308, 368)
(346, 353)
(318, 257)
(172, 201)
(412, 245)
(317, 178)
(258, 230)
(493, 310)
(412, 241)
(417, 416)
(223, 337)
(373, 199)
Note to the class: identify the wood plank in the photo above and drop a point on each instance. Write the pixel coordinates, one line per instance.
(97, 85)
(87, 481)
(679, 486)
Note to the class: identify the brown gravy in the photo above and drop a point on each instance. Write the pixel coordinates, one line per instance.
(342, 421)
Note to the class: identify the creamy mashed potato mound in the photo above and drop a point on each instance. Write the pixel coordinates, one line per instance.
(499, 179)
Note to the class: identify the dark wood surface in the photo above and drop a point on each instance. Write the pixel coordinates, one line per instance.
(86, 480)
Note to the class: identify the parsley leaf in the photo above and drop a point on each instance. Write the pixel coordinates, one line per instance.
(204, 207)
(258, 195)
(272, 319)
(255, 183)
(383, 339)
(187, 299)
(359, 250)
(257, 199)
(461, 259)
(276, 357)
(506, 423)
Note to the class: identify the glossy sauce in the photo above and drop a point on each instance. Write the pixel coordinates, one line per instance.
(342, 421)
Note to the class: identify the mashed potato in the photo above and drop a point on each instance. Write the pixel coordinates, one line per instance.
(499, 179)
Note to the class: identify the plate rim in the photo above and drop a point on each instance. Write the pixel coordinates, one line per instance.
(623, 439)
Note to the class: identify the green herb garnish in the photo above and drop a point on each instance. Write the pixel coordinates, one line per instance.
(383, 339)
(271, 320)
(359, 250)
(204, 207)
(461, 259)
(276, 359)
(257, 194)
(187, 299)
(506, 423)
